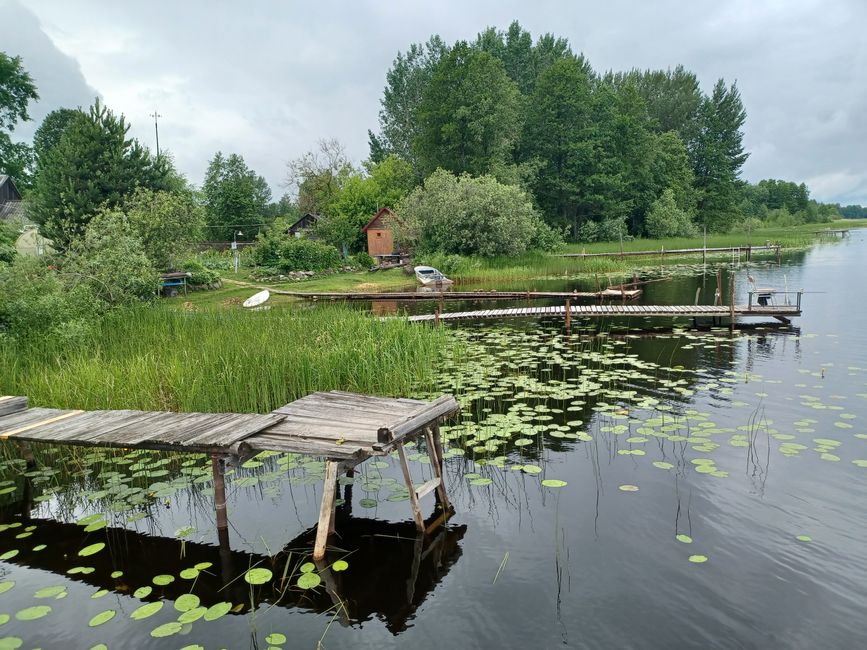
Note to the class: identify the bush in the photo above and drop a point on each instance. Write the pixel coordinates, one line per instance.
(588, 232)
(8, 237)
(38, 301)
(471, 216)
(363, 260)
(201, 275)
(278, 250)
(112, 261)
(666, 219)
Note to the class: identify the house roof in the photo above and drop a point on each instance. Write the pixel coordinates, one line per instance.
(307, 216)
(381, 213)
(12, 210)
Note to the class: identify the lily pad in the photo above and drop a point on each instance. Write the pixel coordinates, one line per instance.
(92, 549)
(186, 602)
(146, 610)
(167, 629)
(102, 617)
(686, 539)
(275, 638)
(628, 488)
(698, 559)
(804, 538)
(218, 610)
(554, 483)
(309, 580)
(143, 592)
(340, 565)
(163, 579)
(50, 592)
(258, 576)
(33, 613)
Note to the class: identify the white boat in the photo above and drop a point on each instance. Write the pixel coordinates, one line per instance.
(257, 299)
(428, 275)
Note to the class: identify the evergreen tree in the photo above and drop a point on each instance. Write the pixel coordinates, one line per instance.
(469, 118)
(17, 90)
(48, 134)
(93, 166)
(236, 198)
(718, 157)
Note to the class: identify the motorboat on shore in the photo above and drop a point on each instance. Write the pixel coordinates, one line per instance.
(428, 276)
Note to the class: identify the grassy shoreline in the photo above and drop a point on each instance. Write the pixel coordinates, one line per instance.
(159, 357)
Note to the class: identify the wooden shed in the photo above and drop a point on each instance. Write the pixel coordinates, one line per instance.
(11, 207)
(380, 237)
(303, 226)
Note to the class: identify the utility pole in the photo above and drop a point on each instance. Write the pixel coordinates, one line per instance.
(156, 115)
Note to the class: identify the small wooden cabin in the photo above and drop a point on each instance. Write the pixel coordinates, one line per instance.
(303, 225)
(380, 238)
(11, 208)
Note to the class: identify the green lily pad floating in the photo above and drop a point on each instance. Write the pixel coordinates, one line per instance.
(167, 629)
(307, 567)
(309, 580)
(554, 483)
(4, 619)
(102, 617)
(860, 462)
(83, 570)
(146, 610)
(92, 549)
(523, 442)
(116, 574)
(163, 579)
(258, 576)
(686, 539)
(275, 638)
(186, 602)
(189, 574)
(339, 565)
(10, 643)
(217, 611)
(33, 613)
(532, 469)
(195, 646)
(661, 464)
(6, 586)
(39, 547)
(481, 481)
(367, 503)
(143, 592)
(698, 559)
(50, 592)
(628, 488)
(99, 646)
(201, 566)
(8, 555)
(804, 538)
(192, 615)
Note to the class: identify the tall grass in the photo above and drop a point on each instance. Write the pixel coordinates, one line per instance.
(223, 361)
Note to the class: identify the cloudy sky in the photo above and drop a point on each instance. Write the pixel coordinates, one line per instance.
(267, 78)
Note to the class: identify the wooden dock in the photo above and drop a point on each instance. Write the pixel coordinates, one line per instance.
(843, 232)
(611, 293)
(782, 313)
(662, 252)
(344, 428)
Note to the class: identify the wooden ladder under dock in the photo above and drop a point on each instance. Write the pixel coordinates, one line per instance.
(344, 428)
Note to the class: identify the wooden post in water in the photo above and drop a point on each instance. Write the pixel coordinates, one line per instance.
(732, 304)
(568, 315)
(437, 316)
(219, 493)
(326, 510)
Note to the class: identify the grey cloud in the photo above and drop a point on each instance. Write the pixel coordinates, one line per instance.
(268, 79)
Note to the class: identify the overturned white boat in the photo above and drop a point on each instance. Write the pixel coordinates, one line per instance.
(428, 275)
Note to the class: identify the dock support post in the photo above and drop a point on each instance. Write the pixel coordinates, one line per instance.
(435, 452)
(568, 315)
(732, 304)
(326, 510)
(413, 497)
(219, 493)
(437, 317)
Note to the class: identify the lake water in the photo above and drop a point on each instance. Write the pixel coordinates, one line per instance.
(752, 448)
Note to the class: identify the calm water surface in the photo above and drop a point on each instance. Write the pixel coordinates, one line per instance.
(741, 444)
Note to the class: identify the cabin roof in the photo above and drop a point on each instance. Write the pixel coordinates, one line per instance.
(381, 213)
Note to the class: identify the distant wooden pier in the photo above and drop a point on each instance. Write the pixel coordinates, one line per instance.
(662, 252)
(344, 428)
(843, 232)
(781, 313)
(611, 293)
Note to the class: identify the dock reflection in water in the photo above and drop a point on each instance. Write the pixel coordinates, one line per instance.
(391, 572)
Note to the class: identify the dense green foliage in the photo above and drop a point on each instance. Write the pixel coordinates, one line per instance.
(854, 211)
(48, 134)
(783, 203)
(236, 198)
(471, 216)
(222, 361)
(275, 249)
(8, 237)
(167, 223)
(666, 219)
(93, 166)
(17, 90)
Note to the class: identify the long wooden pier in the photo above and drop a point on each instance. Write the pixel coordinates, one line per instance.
(662, 252)
(611, 293)
(782, 313)
(344, 428)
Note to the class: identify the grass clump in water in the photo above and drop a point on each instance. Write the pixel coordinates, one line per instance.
(223, 361)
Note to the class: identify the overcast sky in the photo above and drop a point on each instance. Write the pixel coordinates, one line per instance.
(267, 78)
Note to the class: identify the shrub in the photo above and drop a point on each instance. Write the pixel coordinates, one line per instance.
(8, 237)
(111, 260)
(166, 222)
(666, 219)
(471, 216)
(38, 301)
(201, 275)
(588, 232)
(363, 260)
(278, 250)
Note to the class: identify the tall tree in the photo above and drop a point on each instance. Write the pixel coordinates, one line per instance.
(404, 87)
(719, 155)
(236, 198)
(48, 134)
(318, 175)
(17, 90)
(93, 166)
(469, 118)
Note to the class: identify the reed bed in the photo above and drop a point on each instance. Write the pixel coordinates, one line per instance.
(223, 361)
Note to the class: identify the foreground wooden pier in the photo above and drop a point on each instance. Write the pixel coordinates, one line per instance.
(704, 251)
(344, 428)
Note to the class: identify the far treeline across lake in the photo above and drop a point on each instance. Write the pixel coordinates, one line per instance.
(680, 473)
